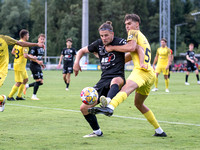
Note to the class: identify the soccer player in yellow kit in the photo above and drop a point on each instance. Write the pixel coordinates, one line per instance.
(140, 79)
(21, 76)
(4, 60)
(163, 59)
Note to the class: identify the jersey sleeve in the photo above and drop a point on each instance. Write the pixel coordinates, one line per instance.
(9, 40)
(25, 50)
(93, 47)
(62, 52)
(132, 35)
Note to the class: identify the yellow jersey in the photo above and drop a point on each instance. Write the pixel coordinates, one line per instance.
(141, 40)
(20, 60)
(4, 55)
(163, 54)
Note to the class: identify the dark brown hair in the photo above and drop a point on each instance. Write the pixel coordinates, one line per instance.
(23, 33)
(163, 39)
(133, 17)
(106, 26)
(41, 35)
(68, 39)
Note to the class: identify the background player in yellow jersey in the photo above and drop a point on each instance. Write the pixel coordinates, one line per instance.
(4, 60)
(21, 76)
(140, 79)
(163, 59)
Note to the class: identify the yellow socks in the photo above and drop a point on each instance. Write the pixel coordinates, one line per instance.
(13, 91)
(21, 88)
(151, 118)
(119, 98)
(166, 84)
(1, 98)
(156, 82)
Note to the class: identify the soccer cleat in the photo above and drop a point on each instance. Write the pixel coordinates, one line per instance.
(93, 135)
(163, 134)
(20, 98)
(10, 99)
(198, 82)
(154, 89)
(167, 90)
(67, 89)
(2, 104)
(186, 83)
(100, 110)
(35, 98)
(104, 101)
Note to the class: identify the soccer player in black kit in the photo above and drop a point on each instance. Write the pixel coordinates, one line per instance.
(35, 67)
(68, 53)
(191, 59)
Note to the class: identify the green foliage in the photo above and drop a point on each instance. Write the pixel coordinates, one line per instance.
(65, 20)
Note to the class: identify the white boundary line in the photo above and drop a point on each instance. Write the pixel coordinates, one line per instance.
(134, 118)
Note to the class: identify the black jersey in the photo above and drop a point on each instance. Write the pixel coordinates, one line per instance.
(112, 63)
(191, 55)
(39, 52)
(68, 54)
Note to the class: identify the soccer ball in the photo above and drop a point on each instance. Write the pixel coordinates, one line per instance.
(89, 95)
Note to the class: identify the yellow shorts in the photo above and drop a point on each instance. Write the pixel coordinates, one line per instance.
(162, 69)
(20, 76)
(144, 79)
(2, 78)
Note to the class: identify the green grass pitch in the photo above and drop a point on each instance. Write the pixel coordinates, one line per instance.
(55, 121)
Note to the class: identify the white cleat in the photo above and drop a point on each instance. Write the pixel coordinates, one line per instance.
(2, 104)
(67, 89)
(198, 82)
(93, 135)
(154, 89)
(167, 90)
(35, 98)
(104, 101)
(186, 83)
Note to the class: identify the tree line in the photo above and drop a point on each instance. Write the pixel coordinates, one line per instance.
(65, 19)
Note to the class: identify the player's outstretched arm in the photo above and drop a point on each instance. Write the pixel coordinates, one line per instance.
(59, 64)
(155, 60)
(29, 44)
(129, 47)
(79, 55)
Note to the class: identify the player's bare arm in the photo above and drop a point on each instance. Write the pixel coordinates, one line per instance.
(155, 60)
(59, 64)
(188, 58)
(13, 51)
(128, 57)
(27, 56)
(79, 55)
(29, 44)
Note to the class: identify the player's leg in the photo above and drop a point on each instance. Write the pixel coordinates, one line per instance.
(197, 75)
(158, 70)
(186, 78)
(92, 120)
(126, 90)
(68, 76)
(115, 86)
(38, 82)
(18, 80)
(139, 103)
(35, 77)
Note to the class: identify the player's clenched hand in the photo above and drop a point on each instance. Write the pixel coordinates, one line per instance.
(76, 68)
(108, 48)
(144, 66)
(41, 45)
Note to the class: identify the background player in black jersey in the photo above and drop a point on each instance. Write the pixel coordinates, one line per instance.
(191, 66)
(35, 67)
(68, 53)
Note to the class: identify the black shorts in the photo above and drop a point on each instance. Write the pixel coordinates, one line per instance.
(36, 72)
(103, 86)
(67, 69)
(191, 67)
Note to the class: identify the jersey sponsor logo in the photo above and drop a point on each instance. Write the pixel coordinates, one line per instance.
(108, 59)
